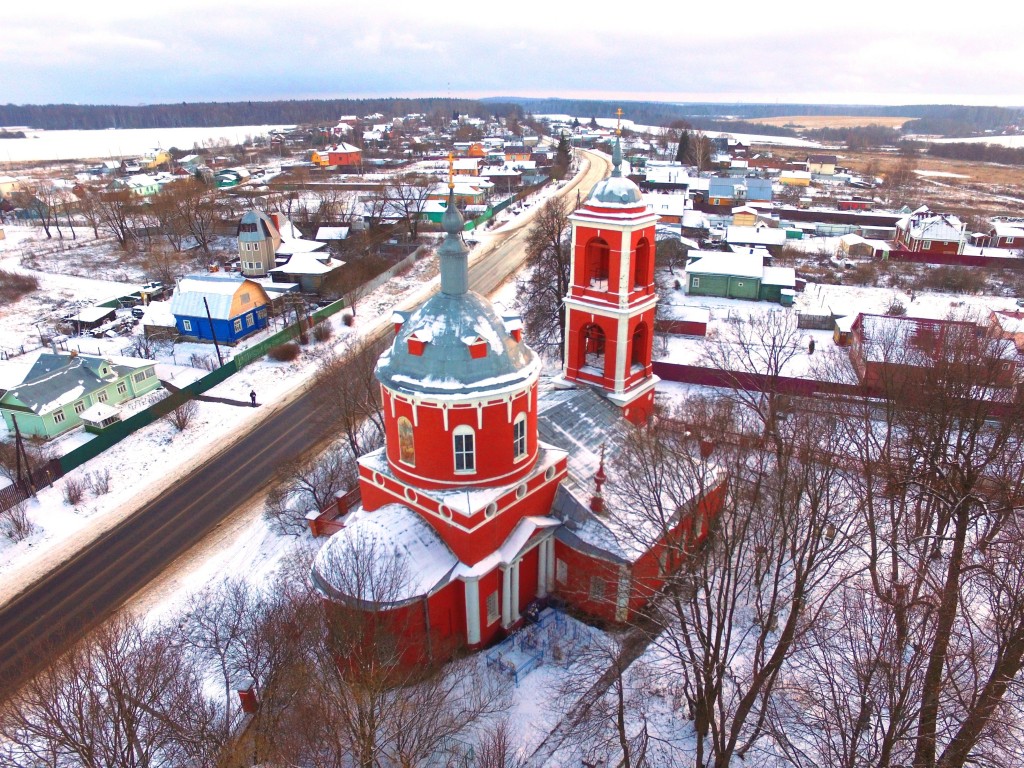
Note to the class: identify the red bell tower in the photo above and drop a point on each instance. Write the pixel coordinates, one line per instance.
(611, 304)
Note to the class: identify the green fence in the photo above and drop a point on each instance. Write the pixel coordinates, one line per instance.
(116, 432)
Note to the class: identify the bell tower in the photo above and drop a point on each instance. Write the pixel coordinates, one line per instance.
(611, 304)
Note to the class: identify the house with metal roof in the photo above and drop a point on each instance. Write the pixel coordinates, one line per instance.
(928, 232)
(60, 388)
(738, 190)
(220, 307)
(738, 276)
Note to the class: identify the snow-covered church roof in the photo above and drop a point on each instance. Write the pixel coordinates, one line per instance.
(616, 189)
(448, 328)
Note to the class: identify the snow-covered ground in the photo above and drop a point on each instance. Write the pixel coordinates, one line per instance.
(122, 142)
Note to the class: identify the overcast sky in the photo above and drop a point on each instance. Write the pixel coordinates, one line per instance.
(190, 50)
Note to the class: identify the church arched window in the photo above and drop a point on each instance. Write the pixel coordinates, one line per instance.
(464, 444)
(638, 354)
(519, 443)
(641, 263)
(406, 444)
(593, 347)
(597, 262)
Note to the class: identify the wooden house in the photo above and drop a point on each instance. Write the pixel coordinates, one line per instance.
(219, 306)
(926, 232)
(59, 388)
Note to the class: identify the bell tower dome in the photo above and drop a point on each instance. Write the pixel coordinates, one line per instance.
(611, 304)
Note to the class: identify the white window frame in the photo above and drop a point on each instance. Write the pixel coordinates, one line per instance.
(80, 406)
(493, 608)
(460, 452)
(695, 282)
(561, 571)
(58, 416)
(102, 397)
(122, 387)
(186, 324)
(237, 325)
(520, 444)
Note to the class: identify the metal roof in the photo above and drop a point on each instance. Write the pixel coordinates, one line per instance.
(218, 290)
(449, 323)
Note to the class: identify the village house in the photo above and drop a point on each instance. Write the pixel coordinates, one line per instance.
(220, 307)
(822, 165)
(888, 351)
(739, 276)
(1007, 235)
(925, 232)
(60, 388)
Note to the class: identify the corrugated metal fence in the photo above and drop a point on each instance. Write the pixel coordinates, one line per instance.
(117, 432)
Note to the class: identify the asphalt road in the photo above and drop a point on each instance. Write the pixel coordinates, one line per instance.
(63, 605)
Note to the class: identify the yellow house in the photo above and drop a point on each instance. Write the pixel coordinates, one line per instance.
(744, 216)
(823, 165)
(154, 158)
(795, 178)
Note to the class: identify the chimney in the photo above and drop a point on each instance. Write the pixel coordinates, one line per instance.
(597, 501)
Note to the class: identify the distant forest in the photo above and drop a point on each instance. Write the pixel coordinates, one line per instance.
(933, 119)
(979, 152)
(941, 119)
(55, 117)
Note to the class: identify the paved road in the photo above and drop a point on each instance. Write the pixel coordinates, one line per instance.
(85, 589)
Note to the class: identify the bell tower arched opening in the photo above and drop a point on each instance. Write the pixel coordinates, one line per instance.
(597, 253)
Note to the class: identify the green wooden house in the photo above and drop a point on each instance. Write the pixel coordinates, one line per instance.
(738, 276)
(59, 388)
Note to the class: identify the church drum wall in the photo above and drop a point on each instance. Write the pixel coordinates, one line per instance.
(434, 449)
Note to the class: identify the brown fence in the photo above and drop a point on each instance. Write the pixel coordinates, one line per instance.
(957, 259)
(754, 382)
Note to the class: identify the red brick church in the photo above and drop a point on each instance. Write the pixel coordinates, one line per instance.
(486, 496)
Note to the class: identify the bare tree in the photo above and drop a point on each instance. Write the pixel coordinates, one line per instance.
(15, 524)
(122, 698)
(407, 194)
(309, 483)
(541, 295)
(734, 614)
(183, 415)
(607, 694)
(372, 707)
(752, 354)
(117, 211)
(351, 400)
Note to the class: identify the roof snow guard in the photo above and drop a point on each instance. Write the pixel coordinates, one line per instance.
(430, 355)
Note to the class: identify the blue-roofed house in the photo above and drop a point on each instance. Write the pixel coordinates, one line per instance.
(738, 190)
(237, 307)
(58, 390)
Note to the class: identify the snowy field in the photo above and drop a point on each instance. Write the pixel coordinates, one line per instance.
(118, 143)
(747, 138)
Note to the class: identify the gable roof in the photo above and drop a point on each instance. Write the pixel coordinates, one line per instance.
(55, 379)
(720, 263)
(219, 292)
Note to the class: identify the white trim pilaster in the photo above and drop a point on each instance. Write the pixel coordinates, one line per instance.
(542, 567)
(515, 590)
(472, 589)
(506, 596)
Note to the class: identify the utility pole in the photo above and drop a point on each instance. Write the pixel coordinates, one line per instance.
(213, 333)
(19, 451)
